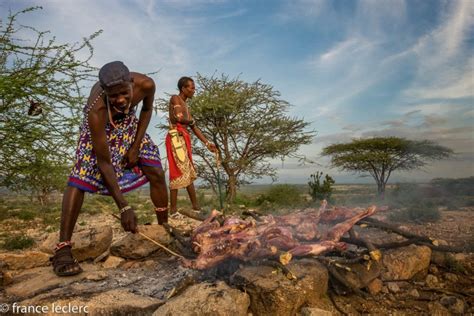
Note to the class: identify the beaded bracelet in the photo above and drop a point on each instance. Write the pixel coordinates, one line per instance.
(63, 244)
(124, 209)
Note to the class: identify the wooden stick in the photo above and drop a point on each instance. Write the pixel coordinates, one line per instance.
(176, 234)
(195, 216)
(418, 239)
(155, 242)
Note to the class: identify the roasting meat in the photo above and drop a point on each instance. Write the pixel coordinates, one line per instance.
(270, 236)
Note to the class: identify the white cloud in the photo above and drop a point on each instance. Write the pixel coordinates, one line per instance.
(445, 64)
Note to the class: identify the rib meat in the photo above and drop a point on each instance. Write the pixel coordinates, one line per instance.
(296, 233)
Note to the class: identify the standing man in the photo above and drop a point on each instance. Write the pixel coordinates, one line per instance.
(178, 144)
(114, 155)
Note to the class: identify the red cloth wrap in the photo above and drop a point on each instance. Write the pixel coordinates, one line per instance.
(174, 170)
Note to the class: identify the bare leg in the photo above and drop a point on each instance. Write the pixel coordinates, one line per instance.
(72, 203)
(63, 261)
(158, 191)
(174, 201)
(192, 196)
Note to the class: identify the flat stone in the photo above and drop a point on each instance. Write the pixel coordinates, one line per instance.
(110, 303)
(404, 263)
(39, 280)
(207, 299)
(359, 276)
(97, 276)
(87, 244)
(134, 246)
(112, 262)
(272, 293)
(24, 260)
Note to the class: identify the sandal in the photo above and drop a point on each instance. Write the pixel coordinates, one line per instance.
(63, 261)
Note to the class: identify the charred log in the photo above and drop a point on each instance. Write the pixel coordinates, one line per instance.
(193, 215)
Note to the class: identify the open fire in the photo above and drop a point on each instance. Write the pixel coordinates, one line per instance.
(217, 239)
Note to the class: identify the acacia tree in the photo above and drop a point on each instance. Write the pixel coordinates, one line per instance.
(249, 125)
(381, 156)
(43, 78)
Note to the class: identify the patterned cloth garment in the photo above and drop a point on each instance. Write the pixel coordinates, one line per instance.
(85, 174)
(182, 173)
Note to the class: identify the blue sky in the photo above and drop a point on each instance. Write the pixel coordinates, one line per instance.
(352, 68)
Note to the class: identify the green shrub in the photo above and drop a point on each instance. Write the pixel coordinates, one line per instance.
(26, 215)
(282, 194)
(461, 186)
(320, 191)
(425, 211)
(18, 242)
(244, 199)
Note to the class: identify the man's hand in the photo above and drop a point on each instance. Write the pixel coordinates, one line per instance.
(131, 157)
(129, 221)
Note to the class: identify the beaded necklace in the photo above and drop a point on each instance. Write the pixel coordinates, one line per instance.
(111, 120)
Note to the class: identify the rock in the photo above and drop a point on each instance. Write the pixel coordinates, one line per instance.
(313, 311)
(114, 302)
(375, 286)
(128, 264)
(435, 308)
(103, 256)
(414, 293)
(87, 243)
(207, 299)
(24, 260)
(461, 257)
(454, 304)
(6, 278)
(451, 277)
(97, 276)
(442, 242)
(439, 258)
(360, 276)
(148, 265)
(393, 287)
(431, 281)
(271, 291)
(404, 263)
(433, 269)
(39, 280)
(112, 262)
(134, 246)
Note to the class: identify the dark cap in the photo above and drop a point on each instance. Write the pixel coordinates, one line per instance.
(113, 73)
